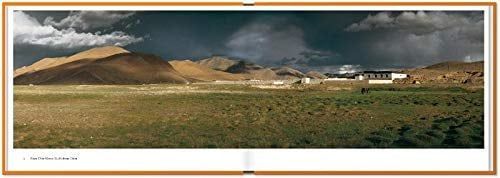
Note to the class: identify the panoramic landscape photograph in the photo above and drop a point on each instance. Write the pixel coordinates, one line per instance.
(248, 79)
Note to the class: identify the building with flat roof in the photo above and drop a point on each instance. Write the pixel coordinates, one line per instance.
(379, 75)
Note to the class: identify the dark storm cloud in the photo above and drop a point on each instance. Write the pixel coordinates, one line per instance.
(418, 23)
(422, 38)
(280, 40)
(326, 41)
(263, 42)
(186, 35)
(312, 58)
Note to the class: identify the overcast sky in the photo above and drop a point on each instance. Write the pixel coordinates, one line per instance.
(340, 41)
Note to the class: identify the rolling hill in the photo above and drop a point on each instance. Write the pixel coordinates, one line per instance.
(253, 71)
(122, 67)
(94, 53)
(315, 75)
(217, 63)
(197, 72)
(288, 73)
(447, 72)
(457, 66)
(115, 65)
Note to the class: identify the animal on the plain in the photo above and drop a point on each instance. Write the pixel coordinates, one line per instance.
(365, 90)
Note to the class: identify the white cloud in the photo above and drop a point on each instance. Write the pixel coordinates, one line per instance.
(27, 30)
(85, 20)
(333, 69)
(348, 69)
(382, 19)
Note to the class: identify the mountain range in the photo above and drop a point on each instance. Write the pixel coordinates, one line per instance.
(115, 65)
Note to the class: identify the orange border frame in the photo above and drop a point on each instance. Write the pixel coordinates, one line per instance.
(494, 119)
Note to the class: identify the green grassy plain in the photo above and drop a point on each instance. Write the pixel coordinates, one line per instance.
(238, 116)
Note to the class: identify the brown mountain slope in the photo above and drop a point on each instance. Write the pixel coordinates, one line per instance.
(123, 68)
(190, 69)
(217, 63)
(457, 66)
(315, 75)
(39, 65)
(253, 71)
(262, 74)
(288, 73)
(94, 53)
(447, 72)
(240, 68)
(243, 67)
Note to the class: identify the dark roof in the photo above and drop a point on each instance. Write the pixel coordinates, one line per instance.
(377, 72)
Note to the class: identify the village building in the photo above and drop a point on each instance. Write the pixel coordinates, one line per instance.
(379, 77)
(305, 80)
(278, 82)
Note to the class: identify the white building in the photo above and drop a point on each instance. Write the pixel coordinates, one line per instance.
(398, 76)
(305, 80)
(359, 77)
(379, 81)
(380, 75)
(278, 82)
(337, 79)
